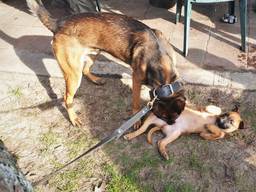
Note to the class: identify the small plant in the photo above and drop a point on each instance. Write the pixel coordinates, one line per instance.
(15, 92)
(48, 141)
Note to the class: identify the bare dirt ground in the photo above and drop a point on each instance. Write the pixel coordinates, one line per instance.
(35, 127)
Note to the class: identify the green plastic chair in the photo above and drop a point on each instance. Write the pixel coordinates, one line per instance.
(188, 9)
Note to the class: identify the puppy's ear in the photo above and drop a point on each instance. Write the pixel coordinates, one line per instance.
(235, 109)
(241, 125)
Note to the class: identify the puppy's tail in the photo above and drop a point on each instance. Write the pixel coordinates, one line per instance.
(151, 131)
(37, 8)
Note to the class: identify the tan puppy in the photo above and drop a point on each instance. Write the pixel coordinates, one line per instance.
(210, 124)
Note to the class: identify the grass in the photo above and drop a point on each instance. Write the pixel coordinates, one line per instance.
(182, 187)
(16, 92)
(120, 104)
(135, 170)
(135, 166)
(48, 140)
(77, 146)
(119, 182)
(195, 162)
(68, 180)
(250, 118)
(175, 183)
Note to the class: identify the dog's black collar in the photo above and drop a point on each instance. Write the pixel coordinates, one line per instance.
(167, 90)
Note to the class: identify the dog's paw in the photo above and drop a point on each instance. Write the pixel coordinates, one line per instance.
(162, 151)
(165, 155)
(99, 81)
(127, 137)
(76, 122)
(137, 125)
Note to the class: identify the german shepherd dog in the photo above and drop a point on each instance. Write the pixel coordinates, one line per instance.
(78, 39)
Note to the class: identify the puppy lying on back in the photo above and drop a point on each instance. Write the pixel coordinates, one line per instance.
(210, 124)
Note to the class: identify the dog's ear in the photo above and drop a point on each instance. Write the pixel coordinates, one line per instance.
(241, 125)
(236, 109)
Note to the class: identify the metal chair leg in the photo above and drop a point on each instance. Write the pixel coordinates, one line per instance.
(243, 23)
(98, 6)
(178, 11)
(187, 10)
(231, 8)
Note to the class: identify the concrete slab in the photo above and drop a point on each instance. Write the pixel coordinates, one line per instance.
(5, 11)
(160, 19)
(20, 18)
(198, 42)
(195, 76)
(133, 8)
(213, 46)
(34, 39)
(222, 56)
(222, 79)
(243, 81)
(24, 61)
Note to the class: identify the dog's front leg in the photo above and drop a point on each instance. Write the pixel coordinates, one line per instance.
(173, 135)
(136, 87)
(212, 132)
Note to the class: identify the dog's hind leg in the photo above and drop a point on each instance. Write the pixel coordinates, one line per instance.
(89, 60)
(165, 141)
(69, 59)
(151, 131)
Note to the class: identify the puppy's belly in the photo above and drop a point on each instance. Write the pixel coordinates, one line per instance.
(180, 125)
(184, 126)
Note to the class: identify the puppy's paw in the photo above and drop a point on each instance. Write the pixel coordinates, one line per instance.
(127, 137)
(137, 125)
(165, 155)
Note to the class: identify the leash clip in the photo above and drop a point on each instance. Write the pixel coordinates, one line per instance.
(171, 88)
(151, 103)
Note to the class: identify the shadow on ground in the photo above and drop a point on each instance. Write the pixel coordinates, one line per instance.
(195, 164)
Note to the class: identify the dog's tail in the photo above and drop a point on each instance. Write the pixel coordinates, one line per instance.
(151, 131)
(37, 8)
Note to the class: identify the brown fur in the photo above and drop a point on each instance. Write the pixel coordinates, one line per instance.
(80, 38)
(208, 124)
